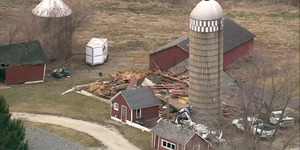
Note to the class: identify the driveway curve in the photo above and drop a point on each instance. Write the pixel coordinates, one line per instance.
(110, 138)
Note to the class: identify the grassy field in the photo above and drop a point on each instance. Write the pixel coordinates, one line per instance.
(45, 98)
(69, 134)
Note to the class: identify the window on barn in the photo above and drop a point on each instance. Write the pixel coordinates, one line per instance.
(116, 106)
(138, 113)
(196, 147)
(168, 145)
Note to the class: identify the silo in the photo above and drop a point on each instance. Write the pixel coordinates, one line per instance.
(206, 61)
(54, 19)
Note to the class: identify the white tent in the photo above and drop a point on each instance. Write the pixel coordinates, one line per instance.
(52, 8)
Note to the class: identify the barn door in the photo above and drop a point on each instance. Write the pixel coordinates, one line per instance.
(2, 76)
(124, 113)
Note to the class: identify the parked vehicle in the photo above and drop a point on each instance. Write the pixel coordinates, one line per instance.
(263, 130)
(256, 126)
(285, 122)
(240, 123)
(60, 73)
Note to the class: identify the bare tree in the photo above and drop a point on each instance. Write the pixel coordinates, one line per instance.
(267, 89)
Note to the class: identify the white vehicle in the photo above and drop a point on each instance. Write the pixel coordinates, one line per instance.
(285, 122)
(256, 126)
(96, 51)
(240, 123)
(263, 130)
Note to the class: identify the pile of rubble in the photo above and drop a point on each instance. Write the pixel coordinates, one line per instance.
(121, 81)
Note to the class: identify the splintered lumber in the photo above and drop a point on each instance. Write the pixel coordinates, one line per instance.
(184, 100)
(174, 77)
(169, 86)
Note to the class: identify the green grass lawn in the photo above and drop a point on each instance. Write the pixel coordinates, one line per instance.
(45, 98)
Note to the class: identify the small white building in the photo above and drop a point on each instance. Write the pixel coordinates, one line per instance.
(96, 51)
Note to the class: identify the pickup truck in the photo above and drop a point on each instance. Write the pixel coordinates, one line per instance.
(285, 122)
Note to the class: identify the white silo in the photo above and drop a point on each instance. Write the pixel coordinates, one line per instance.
(206, 60)
(54, 18)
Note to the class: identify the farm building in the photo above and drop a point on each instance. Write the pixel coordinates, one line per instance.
(238, 44)
(135, 104)
(22, 63)
(166, 136)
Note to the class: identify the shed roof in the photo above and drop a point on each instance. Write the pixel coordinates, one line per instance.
(172, 132)
(234, 36)
(39, 139)
(22, 54)
(96, 42)
(52, 8)
(140, 98)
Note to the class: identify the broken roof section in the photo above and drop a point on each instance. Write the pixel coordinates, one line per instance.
(22, 54)
(172, 132)
(140, 98)
(234, 35)
(52, 8)
(39, 139)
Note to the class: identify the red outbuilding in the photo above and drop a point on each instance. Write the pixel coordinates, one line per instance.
(238, 43)
(135, 104)
(168, 136)
(22, 63)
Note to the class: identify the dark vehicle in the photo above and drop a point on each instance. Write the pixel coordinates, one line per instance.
(60, 73)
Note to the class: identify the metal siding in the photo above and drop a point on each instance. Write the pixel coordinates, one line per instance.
(167, 58)
(121, 101)
(238, 53)
(196, 140)
(24, 73)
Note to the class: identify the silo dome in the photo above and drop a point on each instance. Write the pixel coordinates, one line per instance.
(52, 8)
(207, 10)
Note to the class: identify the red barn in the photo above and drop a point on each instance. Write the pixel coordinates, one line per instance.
(238, 44)
(167, 136)
(134, 104)
(22, 63)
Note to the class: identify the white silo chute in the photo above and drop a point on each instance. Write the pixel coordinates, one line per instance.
(52, 8)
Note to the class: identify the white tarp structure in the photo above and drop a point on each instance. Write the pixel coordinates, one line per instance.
(52, 8)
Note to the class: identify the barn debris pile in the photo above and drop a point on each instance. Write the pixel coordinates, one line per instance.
(121, 81)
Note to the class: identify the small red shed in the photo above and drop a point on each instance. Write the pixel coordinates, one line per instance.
(168, 136)
(22, 63)
(134, 104)
(238, 44)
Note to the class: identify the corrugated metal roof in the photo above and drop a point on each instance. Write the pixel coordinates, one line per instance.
(140, 98)
(39, 139)
(172, 132)
(207, 10)
(52, 8)
(22, 54)
(234, 36)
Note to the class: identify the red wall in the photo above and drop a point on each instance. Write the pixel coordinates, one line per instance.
(24, 73)
(237, 53)
(148, 113)
(197, 140)
(158, 140)
(121, 101)
(168, 58)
